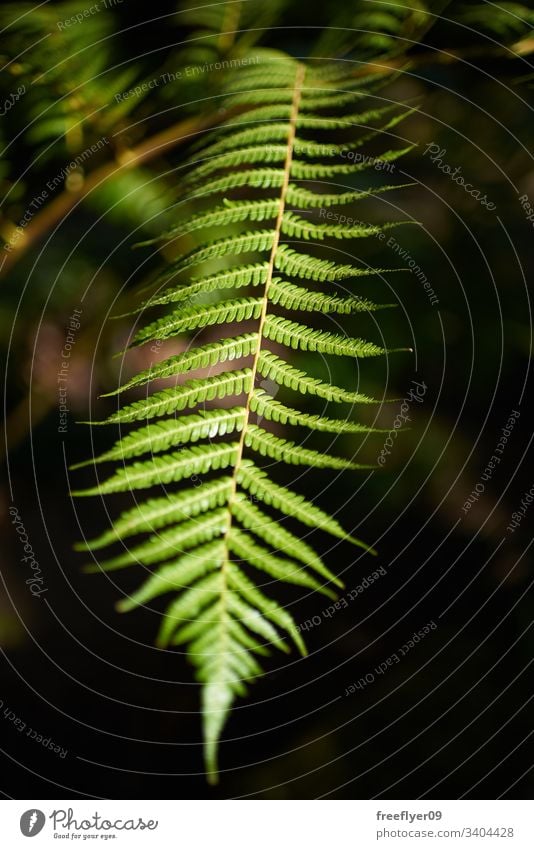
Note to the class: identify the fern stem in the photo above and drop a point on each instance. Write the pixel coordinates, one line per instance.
(299, 79)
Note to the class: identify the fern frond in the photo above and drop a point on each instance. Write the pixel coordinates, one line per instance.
(228, 23)
(306, 147)
(167, 469)
(306, 199)
(205, 356)
(269, 112)
(269, 608)
(274, 368)
(248, 550)
(163, 435)
(293, 297)
(320, 122)
(276, 536)
(189, 605)
(170, 542)
(349, 149)
(505, 20)
(259, 77)
(234, 278)
(299, 228)
(254, 178)
(295, 335)
(253, 242)
(258, 135)
(200, 315)
(297, 264)
(205, 543)
(263, 96)
(159, 512)
(192, 392)
(333, 99)
(228, 213)
(318, 171)
(285, 451)
(289, 503)
(267, 153)
(266, 407)
(177, 575)
(242, 639)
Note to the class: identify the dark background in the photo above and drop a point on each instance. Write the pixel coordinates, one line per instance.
(452, 719)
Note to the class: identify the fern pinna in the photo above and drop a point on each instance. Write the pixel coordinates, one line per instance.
(208, 543)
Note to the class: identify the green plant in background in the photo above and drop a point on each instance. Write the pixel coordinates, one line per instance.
(213, 540)
(65, 66)
(504, 20)
(378, 29)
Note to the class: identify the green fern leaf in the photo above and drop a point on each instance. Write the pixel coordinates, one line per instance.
(254, 178)
(254, 242)
(291, 504)
(192, 392)
(295, 335)
(266, 407)
(171, 542)
(245, 548)
(266, 112)
(305, 147)
(257, 77)
(318, 171)
(274, 368)
(284, 451)
(159, 512)
(299, 228)
(270, 610)
(265, 96)
(262, 134)
(319, 122)
(163, 435)
(333, 99)
(175, 576)
(205, 356)
(189, 605)
(201, 315)
(302, 265)
(204, 542)
(267, 153)
(231, 212)
(305, 199)
(293, 297)
(233, 278)
(168, 469)
(276, 536)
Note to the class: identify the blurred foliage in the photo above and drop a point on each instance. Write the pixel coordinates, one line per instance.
(382, 29)
(65, 64)
(504, 21)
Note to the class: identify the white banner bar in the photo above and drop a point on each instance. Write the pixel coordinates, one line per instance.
(396, 824)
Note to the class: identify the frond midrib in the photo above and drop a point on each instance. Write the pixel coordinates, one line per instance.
(292, 123)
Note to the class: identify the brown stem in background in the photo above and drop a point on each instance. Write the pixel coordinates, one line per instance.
(57, 209)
